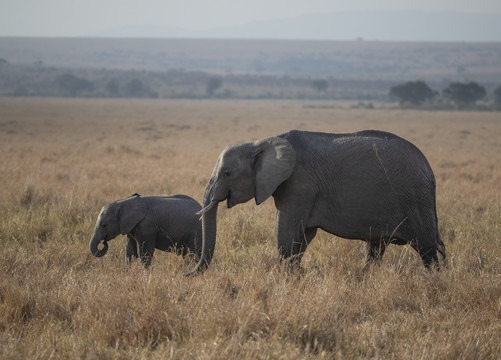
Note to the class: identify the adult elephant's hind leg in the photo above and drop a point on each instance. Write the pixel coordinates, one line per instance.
(425, 243)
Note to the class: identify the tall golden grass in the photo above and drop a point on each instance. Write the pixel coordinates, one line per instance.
(64, 159)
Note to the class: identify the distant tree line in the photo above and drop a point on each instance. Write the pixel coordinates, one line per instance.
(464, 95)
(40, 80)
(73, 85)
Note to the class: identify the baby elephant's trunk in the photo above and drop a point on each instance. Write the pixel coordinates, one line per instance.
(94, 246)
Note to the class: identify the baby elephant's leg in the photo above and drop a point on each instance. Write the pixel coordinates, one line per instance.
(131, 248)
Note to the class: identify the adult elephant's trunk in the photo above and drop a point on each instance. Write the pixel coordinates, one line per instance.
(209, 230)
(94, 246)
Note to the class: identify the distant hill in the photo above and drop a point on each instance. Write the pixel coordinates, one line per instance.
(350, 60)
(381, 26)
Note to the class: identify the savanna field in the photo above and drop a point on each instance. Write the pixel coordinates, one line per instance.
(63, 159)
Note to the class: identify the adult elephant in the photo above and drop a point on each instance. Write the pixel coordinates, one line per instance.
(167, 223)
(369, 185)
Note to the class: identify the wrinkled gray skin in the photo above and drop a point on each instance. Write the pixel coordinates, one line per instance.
(167, 223)
(369, 185)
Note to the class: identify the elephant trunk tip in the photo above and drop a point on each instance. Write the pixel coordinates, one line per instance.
(94, 249)
(191, 272)
(198, 269)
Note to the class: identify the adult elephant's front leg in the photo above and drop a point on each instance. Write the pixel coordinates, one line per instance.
(292, 238)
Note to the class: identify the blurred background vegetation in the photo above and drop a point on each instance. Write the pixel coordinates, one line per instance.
(419, 75)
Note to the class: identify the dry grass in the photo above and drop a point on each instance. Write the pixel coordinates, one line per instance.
(63, 159)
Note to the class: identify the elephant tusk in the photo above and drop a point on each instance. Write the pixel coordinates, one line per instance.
(207, 208)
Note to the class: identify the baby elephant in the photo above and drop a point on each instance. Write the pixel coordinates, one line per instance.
(167, 223)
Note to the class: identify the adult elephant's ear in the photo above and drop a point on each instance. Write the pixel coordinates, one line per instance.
(275, 160)
(132, 211)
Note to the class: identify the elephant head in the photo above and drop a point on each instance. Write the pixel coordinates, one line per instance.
(243, 172)
(119, 217)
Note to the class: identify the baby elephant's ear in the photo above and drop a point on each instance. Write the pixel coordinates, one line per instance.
(275, 161)
(132, 211)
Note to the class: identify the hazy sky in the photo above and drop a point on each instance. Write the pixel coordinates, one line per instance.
(83, 18)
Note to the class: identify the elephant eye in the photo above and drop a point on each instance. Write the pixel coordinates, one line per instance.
(103, 225)
(226, 174)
